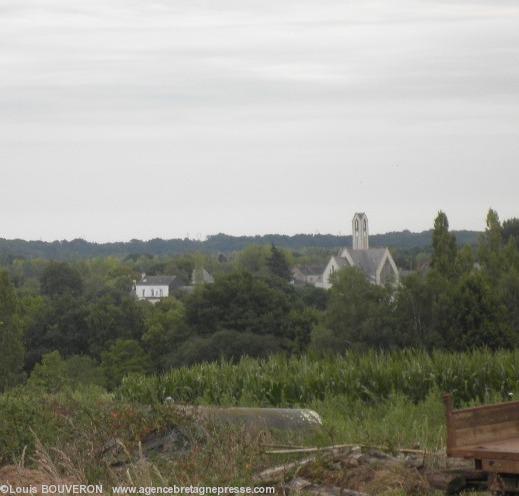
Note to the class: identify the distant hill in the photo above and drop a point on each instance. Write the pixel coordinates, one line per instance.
(218, 243)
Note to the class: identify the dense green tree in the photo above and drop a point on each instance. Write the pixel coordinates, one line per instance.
(11, 341)
(60, 278)
(422, 310)
(111, 316)
(360, 313)
(414, 313)
(99, 275)
(226, 345)
(511, 230)
(254, 259)
(54, 373)
(51, 374)
(324, 341)
(58, 323)
(80, 325)
(444, 246)
(166, 331)
(478, 316)
(124, 357)
(313, 297)
(508, 292)
(493, 236)
(491, 247)
(83, 370)
(239, 302)
(302, 321)
(278, 264)
(464, 260)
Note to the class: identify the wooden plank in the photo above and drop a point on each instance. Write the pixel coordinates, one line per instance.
(291, 451)
(473, 418)
(281, 472)
(483, 454)
(483, 434)
(451, 432)
(501, 466)
(486, 407)
(488, 432)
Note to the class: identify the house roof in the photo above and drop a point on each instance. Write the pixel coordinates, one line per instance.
(367, 260)
(156, 280)
(310, 270)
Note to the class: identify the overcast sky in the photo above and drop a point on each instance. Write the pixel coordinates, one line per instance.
(126, 119)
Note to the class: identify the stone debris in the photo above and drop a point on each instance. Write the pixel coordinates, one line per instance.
(350, 470)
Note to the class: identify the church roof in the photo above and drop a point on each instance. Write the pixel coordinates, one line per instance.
(341, 261)
(367, 260)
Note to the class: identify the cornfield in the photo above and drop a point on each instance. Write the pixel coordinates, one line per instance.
(473, 377)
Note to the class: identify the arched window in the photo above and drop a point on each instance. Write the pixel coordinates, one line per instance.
(365, 225)
(356, 224)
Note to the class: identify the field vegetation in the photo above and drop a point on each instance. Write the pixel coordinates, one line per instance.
(382, 399)
(84, 363)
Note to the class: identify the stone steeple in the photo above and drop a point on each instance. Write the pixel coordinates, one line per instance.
(360, 231)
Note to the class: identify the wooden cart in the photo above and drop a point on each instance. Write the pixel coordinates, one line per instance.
(489, 435)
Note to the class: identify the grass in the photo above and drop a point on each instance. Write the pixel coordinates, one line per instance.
(395, 422)
(377, 399)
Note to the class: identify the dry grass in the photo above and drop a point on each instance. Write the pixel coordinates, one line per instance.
(226, 456)
(222, 456)
(19, 476)
(373, 479)
(384, 479)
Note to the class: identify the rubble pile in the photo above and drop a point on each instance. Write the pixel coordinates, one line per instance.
(361, 471)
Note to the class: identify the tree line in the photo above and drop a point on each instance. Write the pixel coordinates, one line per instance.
(219, 243)
(58, 318)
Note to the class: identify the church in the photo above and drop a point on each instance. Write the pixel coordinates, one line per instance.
(376, 263)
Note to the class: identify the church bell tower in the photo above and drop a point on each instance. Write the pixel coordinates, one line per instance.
(360, 231)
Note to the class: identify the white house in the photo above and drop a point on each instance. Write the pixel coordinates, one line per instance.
(153, 288)
(376, 263)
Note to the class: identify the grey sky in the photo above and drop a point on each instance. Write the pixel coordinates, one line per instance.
(149, 118)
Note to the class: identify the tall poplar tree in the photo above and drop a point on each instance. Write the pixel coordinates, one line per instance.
(444, 246)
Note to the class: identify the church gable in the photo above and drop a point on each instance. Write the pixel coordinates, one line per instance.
(334, 265)
(388, 271)
(376, 263)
